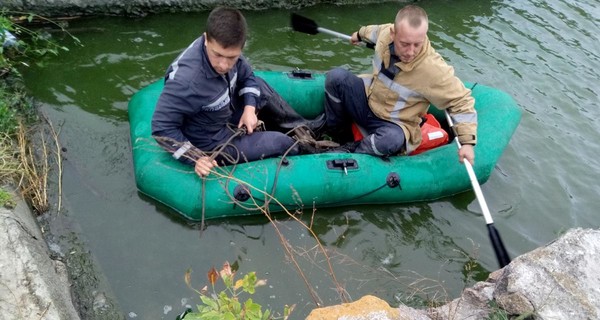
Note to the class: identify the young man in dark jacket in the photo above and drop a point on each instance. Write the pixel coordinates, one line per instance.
(210, 87)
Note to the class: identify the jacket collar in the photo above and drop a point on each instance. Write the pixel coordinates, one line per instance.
(209, 71)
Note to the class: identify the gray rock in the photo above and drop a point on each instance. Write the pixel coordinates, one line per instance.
(32, 286)
(559, 281)
(473, 304)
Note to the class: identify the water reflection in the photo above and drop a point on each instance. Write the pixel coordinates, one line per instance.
(376, 249)
(381, 248)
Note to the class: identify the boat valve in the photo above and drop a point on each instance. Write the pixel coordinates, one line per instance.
(241, 193)
(393, 180)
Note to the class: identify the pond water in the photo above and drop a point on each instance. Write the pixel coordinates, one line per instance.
(543, 53)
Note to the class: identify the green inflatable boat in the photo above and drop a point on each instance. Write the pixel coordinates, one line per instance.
(318, 180)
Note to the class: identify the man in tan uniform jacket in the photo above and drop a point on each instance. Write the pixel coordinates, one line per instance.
(408, 76)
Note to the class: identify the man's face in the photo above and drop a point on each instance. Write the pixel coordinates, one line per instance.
(221, 59)
(408, 41)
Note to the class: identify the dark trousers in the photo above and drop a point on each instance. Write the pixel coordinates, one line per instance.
(345, 102)
(255, 146)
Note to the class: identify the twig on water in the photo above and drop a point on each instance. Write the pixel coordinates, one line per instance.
(59, 165)
(226, 175)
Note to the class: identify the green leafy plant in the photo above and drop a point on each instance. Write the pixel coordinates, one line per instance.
(228, 303)
(496, 313)
(20, 45)
(6, 199)
(8, 116)
(15, 107)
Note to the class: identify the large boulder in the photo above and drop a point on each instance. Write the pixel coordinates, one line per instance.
(557, 281)
(366, 308)
(32, 286)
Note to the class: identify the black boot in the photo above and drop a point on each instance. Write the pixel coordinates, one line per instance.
(278, 115)
(348, 147)
(341, 135)
(317, 125)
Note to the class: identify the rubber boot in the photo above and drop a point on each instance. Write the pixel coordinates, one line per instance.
(278, 115)
(341, 135)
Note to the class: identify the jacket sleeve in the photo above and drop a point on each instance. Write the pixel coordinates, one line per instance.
(171, 110)
(247, 84)
(448, 92)
(370, 33)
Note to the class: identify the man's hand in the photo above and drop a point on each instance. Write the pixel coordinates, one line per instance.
(249, 119)
(466, 152)
(204, 165)
(354, 39)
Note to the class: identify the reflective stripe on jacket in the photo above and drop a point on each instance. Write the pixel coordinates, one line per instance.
(405, 97)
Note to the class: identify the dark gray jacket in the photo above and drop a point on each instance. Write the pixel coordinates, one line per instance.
(196, 102)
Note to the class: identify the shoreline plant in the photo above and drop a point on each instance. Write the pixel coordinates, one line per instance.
(21, 46)
(230, 303)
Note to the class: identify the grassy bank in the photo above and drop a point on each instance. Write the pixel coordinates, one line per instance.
(27, 152)
(16, 112)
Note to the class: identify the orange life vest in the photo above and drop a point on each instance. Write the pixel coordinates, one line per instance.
(431, 131)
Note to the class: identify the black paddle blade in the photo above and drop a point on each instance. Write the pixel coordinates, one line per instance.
(303, 24)
(501, 253)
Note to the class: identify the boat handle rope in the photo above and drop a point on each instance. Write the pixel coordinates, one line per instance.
(336, 202)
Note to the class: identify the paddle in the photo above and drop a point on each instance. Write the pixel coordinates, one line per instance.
(499, 249)
(306, 25)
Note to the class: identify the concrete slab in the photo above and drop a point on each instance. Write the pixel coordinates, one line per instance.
(32, 286)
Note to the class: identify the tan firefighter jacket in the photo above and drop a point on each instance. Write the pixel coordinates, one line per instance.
(404, 96)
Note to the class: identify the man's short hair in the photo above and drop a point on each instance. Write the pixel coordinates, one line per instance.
(227, 26)
(415, 15)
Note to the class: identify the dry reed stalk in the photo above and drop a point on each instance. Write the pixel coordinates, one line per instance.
(36, 166)
(10, 166)
(33, 182)
(58, 158)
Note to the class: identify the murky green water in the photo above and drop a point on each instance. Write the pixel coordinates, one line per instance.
(544, 53)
